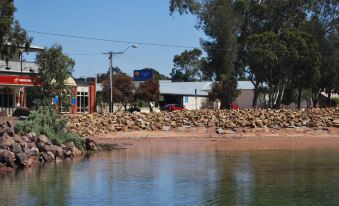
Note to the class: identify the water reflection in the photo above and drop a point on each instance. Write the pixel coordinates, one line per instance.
(180, 176)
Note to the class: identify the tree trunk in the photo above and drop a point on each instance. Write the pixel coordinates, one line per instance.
(225, 97)
(315, 99)
(329, 95)
(256, 94)
(125, 107)
(299, 97)
(150, 107)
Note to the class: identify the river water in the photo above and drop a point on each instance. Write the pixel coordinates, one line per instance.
(180, 177)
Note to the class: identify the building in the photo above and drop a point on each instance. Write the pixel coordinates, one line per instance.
(18, 75)
(86, 95)
(194, 95)
(15, 78)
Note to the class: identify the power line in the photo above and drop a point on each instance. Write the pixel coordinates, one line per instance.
(111, 40)
(133, 42)
(84, 54)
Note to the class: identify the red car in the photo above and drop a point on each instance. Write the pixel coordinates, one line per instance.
(234, 106)
(173, 107)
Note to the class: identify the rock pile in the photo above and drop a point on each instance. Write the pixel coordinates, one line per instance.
(91, 124)
(22, 151)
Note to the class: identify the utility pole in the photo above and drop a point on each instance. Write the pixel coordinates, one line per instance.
(110, 56)
(111, 80)
(196, 99)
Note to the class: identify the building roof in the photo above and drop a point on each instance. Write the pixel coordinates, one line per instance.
(188, 88)
(184, 88)
(68, 82)
(15, 67)
(31, 48)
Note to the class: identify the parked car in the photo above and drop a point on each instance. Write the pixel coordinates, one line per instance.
(172, 107)
(234, 106)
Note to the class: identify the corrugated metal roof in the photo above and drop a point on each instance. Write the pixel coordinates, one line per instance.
(188, 88)
(184, 88)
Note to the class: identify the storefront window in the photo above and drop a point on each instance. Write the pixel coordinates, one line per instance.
(82, 102)
(7, 97)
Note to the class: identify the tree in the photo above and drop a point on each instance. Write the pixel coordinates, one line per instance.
(149, 91)
(188, 66)
(279, 60)
(261, 16)
(323, 25)
(54, 68)
(12, 36)
(123, 89)
(220, 20)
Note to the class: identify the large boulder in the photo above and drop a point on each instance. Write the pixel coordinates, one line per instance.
(7, 158)
(24, 159)
(56, 150)
(90, 145)
(43, 139)
(16, 148)
(21, 111)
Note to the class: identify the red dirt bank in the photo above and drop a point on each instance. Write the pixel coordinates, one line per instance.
(242, 139)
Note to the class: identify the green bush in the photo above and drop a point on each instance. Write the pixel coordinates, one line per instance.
(46, 121)
(335, 101)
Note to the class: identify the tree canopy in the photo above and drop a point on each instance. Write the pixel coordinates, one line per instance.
(123, 89)
(221, 21)
(188, 66)
(149, 91)
(54, 68)
(289, 46)
(12, 36)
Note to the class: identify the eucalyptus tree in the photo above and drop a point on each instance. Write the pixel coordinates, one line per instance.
(12, 36)
(220, 20)
(188, 66)
(54, 68)
(323, 25)
(280, 60)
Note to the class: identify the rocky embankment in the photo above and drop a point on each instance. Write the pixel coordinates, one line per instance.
(23, 151)
(92, 124)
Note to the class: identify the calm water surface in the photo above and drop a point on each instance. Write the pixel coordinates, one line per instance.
(181, 176)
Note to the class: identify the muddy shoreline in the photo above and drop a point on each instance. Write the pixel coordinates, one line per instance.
(242, 139)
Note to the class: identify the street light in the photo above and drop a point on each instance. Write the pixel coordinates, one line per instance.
(111, 53)
(20, 89)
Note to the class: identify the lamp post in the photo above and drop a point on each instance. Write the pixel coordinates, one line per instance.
(110, 56)
(20, 90)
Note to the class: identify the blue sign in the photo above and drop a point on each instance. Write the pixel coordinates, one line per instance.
(56, 100)
(74, 101)
(142, 75)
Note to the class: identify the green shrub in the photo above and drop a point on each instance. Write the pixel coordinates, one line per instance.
(335, 101)
(46, 121)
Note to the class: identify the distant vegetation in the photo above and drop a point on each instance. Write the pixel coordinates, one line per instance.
(288, 49)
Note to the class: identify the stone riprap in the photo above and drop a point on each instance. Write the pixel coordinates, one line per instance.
(94, 124)
(22, 151)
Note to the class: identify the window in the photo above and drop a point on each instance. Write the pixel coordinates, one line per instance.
(82, 102)
(7, 97)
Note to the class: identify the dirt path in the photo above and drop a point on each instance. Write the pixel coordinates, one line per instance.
(243, 139)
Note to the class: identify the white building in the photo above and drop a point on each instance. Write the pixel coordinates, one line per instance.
(194, 95)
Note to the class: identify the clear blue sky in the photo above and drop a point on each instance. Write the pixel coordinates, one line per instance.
(128, 20)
